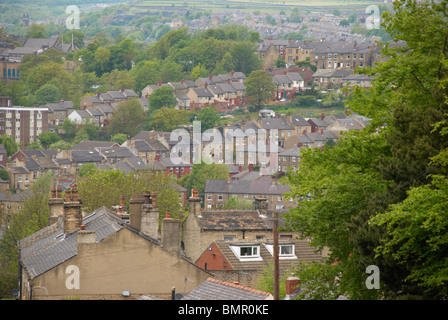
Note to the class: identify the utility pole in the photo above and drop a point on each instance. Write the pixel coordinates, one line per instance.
(276, 267)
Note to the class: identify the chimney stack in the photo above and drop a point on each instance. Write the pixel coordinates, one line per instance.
(72, 210)
(195, 203)
(261, 205)
(135, 207)
(171, 233)
(56, 205)
(292, 283)
(84, 240)
(149, 223)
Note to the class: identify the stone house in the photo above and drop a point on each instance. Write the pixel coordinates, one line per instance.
(58, 112)
(244, 260)
(106, 254)
(342, 55)
(200, 97)
(201, 227)
(269, 50)
(289, 158)
(217, 192)
(298, 50)
(299, 123)
(283, 129)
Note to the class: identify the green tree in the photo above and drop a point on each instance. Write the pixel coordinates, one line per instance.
(36, 31)
(200, 173)
(69, 129)
(169, 119)
(344, 23)
(78, 38)
(209, 117)
(110, 185)
(198, 71)
(238, 203)
(119, 138)
(162, 97)
(48, 93)
(338, 183)
(48, 138)
(244, 58)
(280, 62)
(129, 118)
(146, 72)
(259, 87)
(9, 144)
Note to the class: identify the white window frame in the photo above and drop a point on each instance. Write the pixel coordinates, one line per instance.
(285, 256)
(255, 252)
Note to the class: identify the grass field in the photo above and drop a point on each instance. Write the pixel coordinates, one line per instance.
(254, 5)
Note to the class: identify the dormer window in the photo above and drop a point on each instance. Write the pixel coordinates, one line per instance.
(246, 252)
(286, 251)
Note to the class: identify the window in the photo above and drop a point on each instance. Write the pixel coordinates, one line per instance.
(209, 196)
(286, 251)
(220, 197)
(246, 252)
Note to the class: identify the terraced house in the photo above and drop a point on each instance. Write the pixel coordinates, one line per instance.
(342, 55)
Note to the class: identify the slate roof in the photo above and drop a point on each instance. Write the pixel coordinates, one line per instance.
(302, 138)
(130, 93)
(203, 92)
(282, 80)
(168, 163)
(116, 152)
(56, 107)
(136, 163)
(315, 136)
(123, 166)
(38, 43)
(232, 220)
(86, 156)
(276, 123)
(319, 122)
(302, 250)
(49, 247)
(340, 47)
(261, 186)
(298, 120)
(292, 152)
(294, 76)
(46, 163)
(191, 84)
(214, 289)
(94, 112)
(116, 94)
(91, 144)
